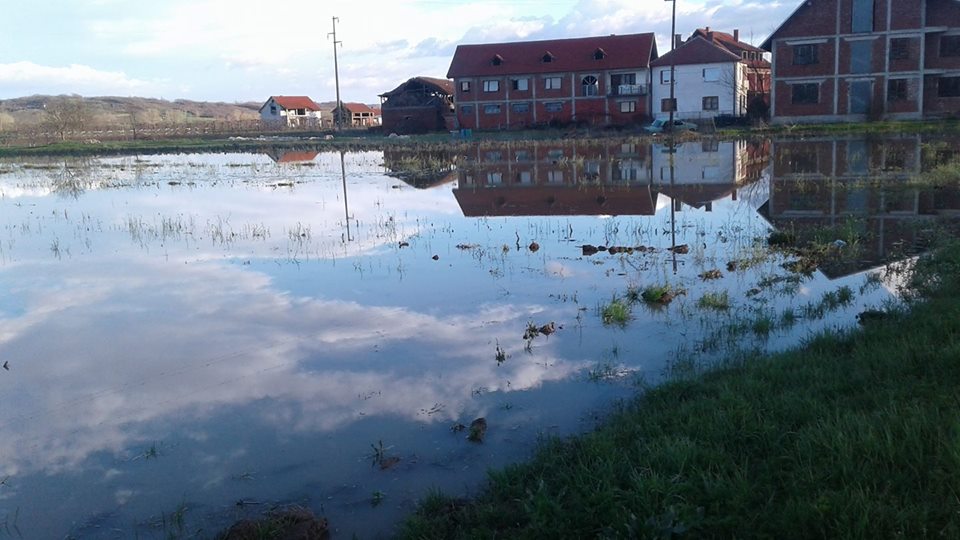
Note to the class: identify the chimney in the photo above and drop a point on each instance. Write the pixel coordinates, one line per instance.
(736, 34)
(706, 29)
(677, 40)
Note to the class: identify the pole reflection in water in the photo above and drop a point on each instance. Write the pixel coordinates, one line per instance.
(673, 204)
(346, 207)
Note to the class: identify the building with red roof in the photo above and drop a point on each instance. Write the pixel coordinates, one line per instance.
(715, 74)
(355, 115)
(855, 60)
(291, 111)
(594, 80)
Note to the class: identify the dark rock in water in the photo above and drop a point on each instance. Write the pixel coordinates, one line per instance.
(589, 250)
(404, 244)
(534, 247)
(601, 248)
(458, 427)
(548, 329)
(291, 524)
(435, 257)
(478, 428)
(613, 250)
(682, 249)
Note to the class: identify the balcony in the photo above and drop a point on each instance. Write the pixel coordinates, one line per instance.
(629, 90)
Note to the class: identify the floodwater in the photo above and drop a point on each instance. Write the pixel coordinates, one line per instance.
(188, 340)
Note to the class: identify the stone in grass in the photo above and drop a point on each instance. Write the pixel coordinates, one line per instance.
(295, 523)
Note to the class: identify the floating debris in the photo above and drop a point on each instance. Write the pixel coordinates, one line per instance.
(682, 249)
(478, 428)
(435, 257)
(711, 274)
(548, 329)
(534, 247)
(589, 250)
(404, 244)
(386, 463)
(296, 522)
(6, 366)
(458, 427)
(467, 246)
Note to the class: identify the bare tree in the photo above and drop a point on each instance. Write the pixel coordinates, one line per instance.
(65, 115)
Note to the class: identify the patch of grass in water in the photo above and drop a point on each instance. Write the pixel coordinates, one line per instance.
(719, 301)
(616, 312)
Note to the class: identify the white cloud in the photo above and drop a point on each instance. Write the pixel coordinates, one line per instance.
(72, 79)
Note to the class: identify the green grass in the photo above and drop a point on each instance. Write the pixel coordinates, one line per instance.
(854, 435)
(616, 312)
(719, 301)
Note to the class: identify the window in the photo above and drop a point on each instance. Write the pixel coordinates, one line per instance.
(623, 78)
(807, 93)
(496, 60)
(861, 96)
(555, 177)
(897, 90)
(949, 45)
(667, 104)
(805, 54)
(628, 106)
(862, 20)
(520, 85)
(591, 85)
(493, 157)
(520, 108)
(547, 58)
(665, 76)
(524, 177)
(711, 74)
(494, 178)
(551, 83)
(553, 106)
(899, 48)
(948, 87)
(599, 54)
(861, 56)
(491, 108)
(522, 155)
(464, 86)
(466, 109)
(711, 103)
(491, 86)
(273, 109)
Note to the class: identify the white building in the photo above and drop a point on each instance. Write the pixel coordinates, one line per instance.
(292, 111)
(716, 74)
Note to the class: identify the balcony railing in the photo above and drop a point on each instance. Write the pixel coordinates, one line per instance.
(629, 90)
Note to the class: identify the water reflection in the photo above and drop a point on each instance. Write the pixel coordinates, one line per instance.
(212, 328)
(866, 195)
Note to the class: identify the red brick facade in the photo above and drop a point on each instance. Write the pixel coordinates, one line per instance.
(596, 81)
(843, 60)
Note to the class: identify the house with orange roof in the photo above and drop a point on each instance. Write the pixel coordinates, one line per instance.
(715, 74)
(355, 115)
(594, 80)
(291, 111)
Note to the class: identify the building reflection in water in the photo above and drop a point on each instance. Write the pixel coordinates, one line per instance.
(601, 177)
(868, 191)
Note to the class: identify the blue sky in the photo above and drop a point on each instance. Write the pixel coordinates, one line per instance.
(239, 50)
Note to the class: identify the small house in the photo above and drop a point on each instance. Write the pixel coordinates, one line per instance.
(291, 111)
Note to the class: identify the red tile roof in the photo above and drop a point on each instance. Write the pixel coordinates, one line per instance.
(577, 54)
(556, 201)
(296, 102)
(697, 51)
(357, 108)
(725, 40)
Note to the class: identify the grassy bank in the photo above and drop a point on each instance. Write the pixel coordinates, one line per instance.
(855, 435)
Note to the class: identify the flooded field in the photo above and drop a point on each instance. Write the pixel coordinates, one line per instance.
(188, 340)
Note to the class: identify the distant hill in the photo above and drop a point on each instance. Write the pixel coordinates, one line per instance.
(117, 110)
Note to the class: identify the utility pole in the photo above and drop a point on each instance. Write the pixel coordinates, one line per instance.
(673, 60)
(338, 112)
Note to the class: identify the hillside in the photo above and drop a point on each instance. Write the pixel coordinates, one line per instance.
(22, 112)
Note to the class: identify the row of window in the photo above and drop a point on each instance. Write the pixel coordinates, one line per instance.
(523, 107)
(708, 103)
(590, 85)
(897, 90)
(862, 51)
(711, 74)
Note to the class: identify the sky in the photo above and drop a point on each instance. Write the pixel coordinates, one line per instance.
(240, 50)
